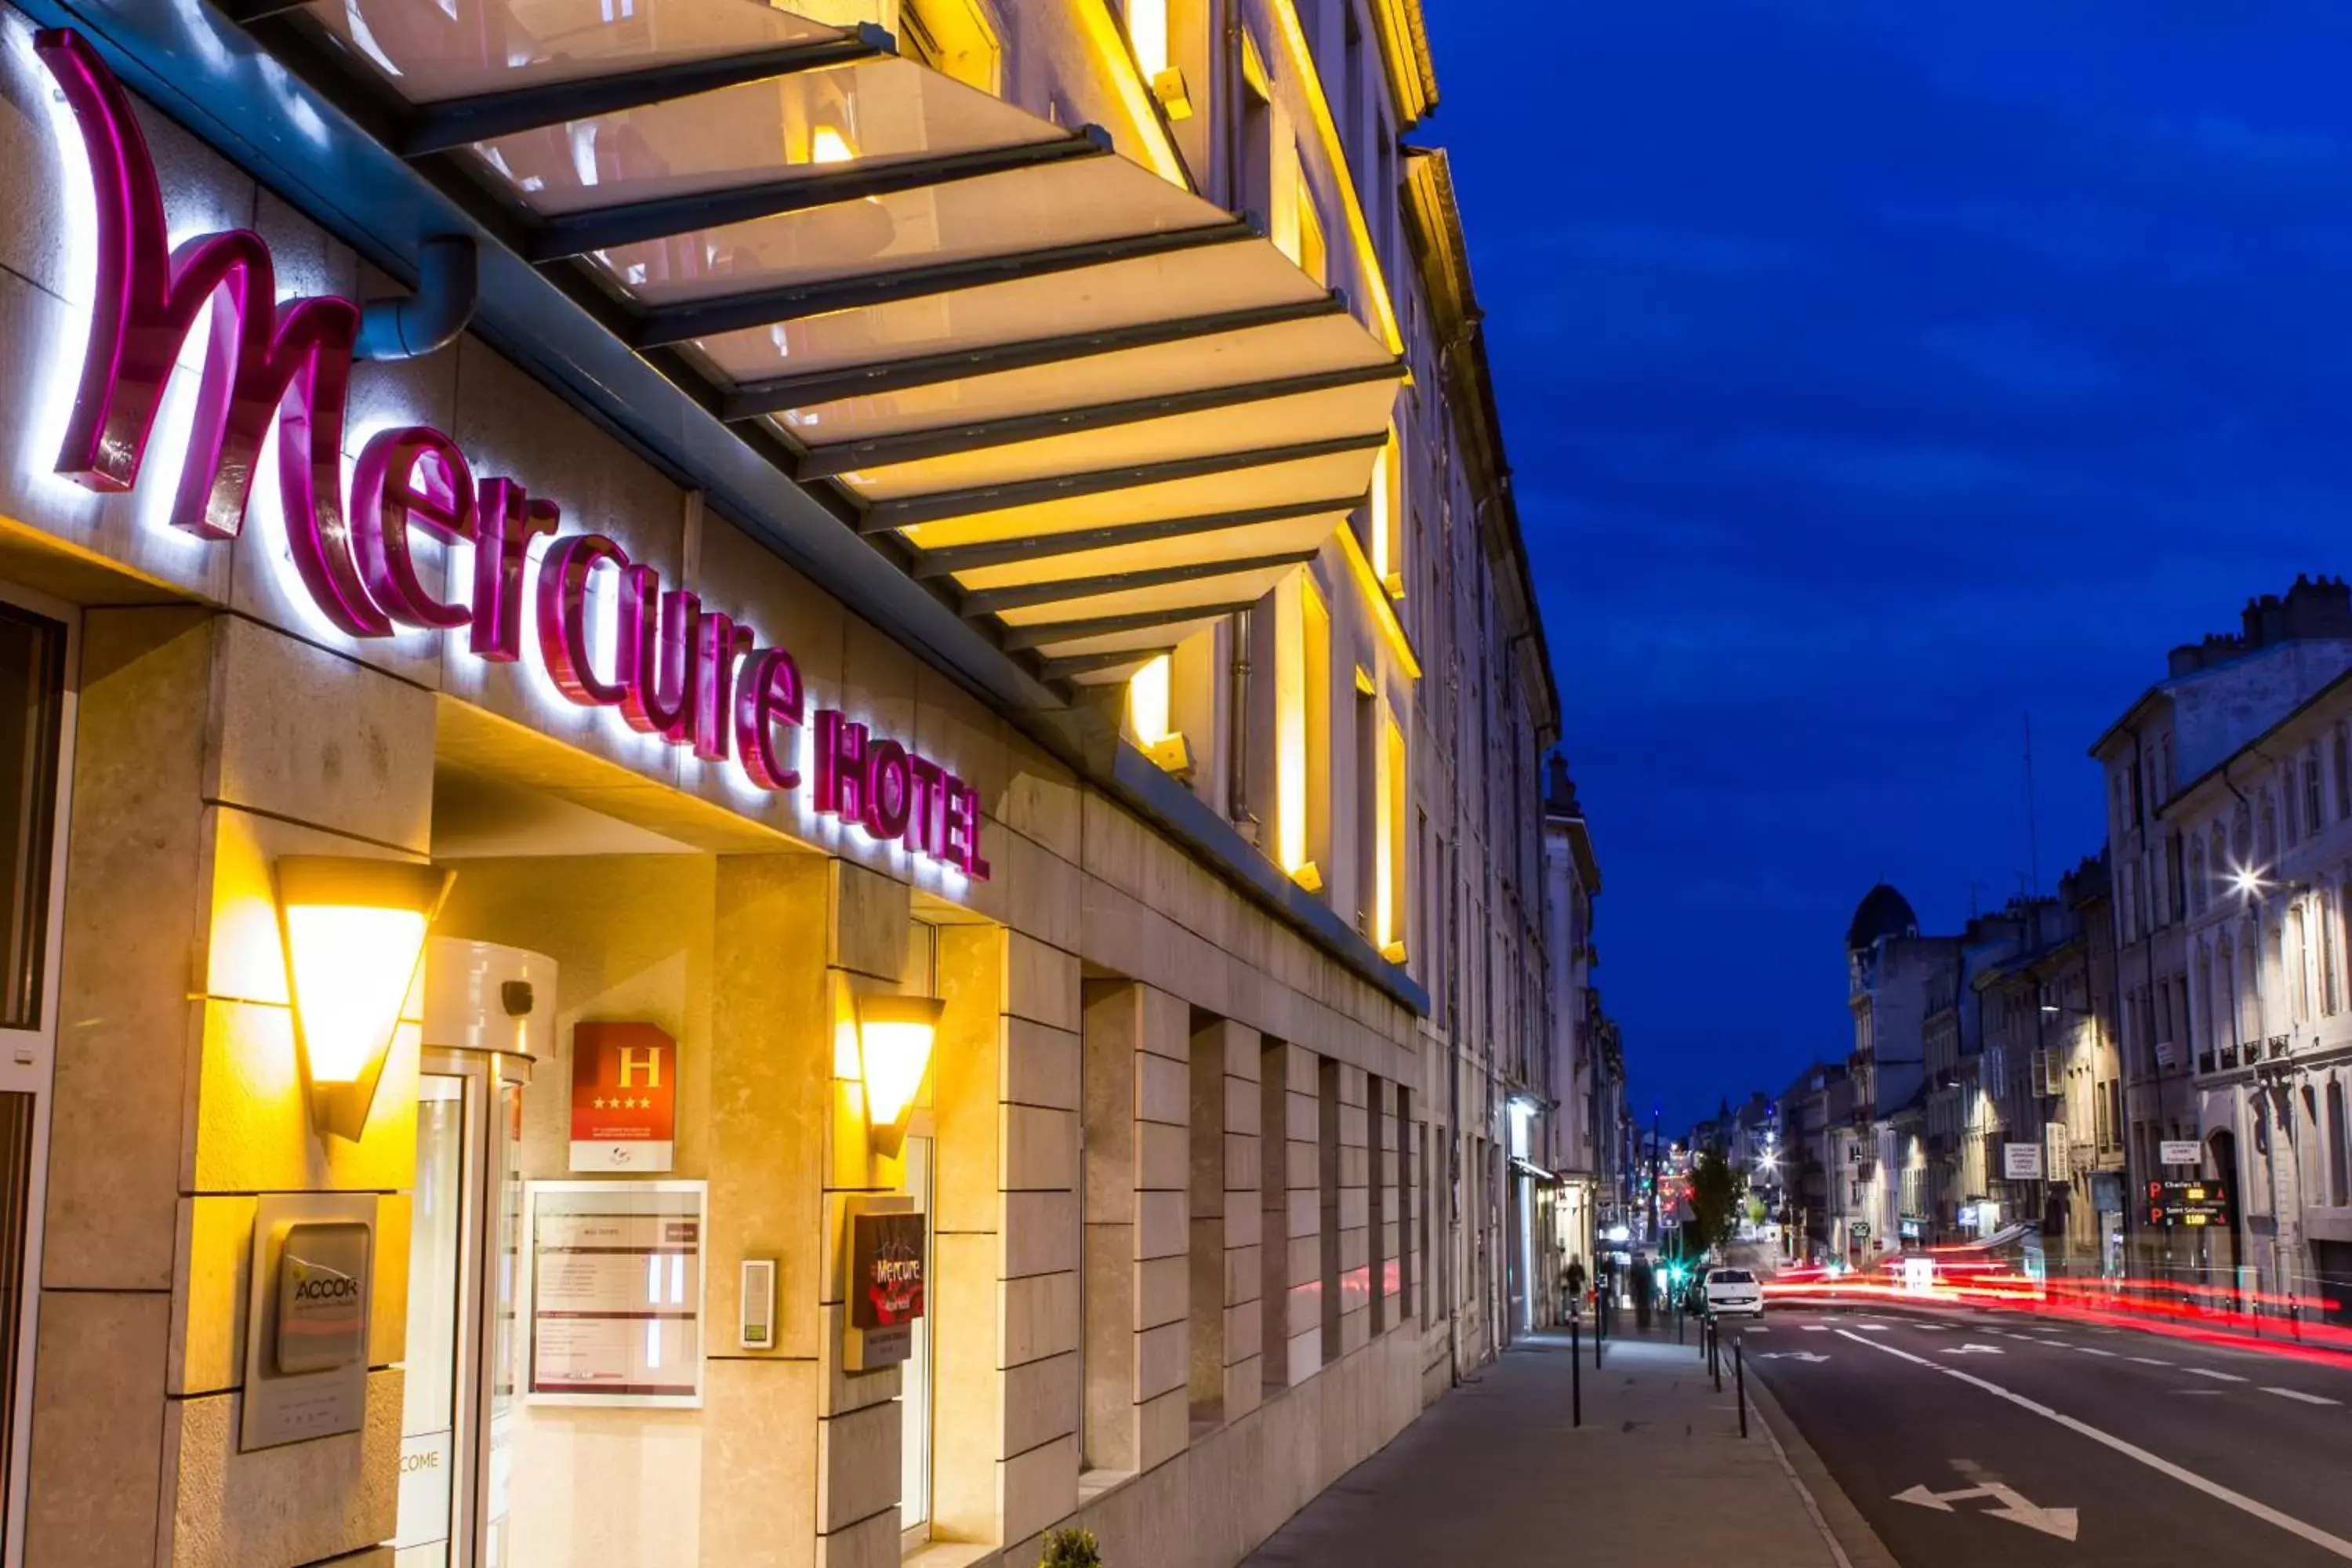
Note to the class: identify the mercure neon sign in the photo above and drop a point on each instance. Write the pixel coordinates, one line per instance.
(692, 676)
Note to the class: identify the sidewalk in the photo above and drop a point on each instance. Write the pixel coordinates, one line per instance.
(1494, 1473)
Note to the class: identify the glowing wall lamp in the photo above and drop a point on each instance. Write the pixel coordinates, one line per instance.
(354, 932)
(894, 1051)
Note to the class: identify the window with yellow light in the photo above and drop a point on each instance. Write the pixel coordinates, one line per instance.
(1302, 661)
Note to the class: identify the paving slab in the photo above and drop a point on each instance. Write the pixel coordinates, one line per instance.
(1494, 1472)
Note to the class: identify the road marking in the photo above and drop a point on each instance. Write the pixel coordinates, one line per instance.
(2216, 1376)
(2334, 1544)
(2094, 1350)
(1807, 1356)
(1817, 1328)
(1873, 1328)
(1977, 1350)
(2148, 1360)
(2298, 1394)
(2060, 1522)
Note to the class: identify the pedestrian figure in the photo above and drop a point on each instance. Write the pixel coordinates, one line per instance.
(1575, 1283)
(1642, 1292)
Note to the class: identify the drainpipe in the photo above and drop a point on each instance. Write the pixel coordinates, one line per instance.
(448, 283)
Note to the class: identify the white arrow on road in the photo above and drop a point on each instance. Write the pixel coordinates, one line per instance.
(2060, 1522)
(1975, 1349)
(1789, 1355)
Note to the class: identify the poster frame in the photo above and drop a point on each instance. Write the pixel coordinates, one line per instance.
(698, 1207)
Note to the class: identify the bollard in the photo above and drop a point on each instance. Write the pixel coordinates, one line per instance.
(1715, 1361)
(1576, 1373)
(1739, 1375)
(1600, 1332)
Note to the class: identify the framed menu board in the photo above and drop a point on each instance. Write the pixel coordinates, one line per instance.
(616, 1293)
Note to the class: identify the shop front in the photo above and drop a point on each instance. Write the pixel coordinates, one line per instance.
(575, 1037)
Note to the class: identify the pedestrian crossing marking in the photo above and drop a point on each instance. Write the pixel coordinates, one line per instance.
(1817, 1328)
(1873, 1328)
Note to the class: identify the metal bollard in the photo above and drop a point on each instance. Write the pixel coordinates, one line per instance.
(1739, 1374)
(1715, 1361)
(1576, 1373)
(1600, 1332)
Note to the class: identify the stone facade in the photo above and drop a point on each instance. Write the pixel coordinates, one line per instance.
(1214, 1207)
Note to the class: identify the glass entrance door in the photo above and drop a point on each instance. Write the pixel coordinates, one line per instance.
(456, 1405)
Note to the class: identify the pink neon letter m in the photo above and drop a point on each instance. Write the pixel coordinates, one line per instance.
(262, 358)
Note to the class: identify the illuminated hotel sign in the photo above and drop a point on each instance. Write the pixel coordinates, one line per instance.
(694, 678)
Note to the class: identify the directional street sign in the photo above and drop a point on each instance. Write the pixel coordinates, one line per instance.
(2060, 1522)
(1789, 1355)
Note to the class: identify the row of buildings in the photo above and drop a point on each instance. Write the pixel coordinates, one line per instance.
(2178, 1016)
(775, 783)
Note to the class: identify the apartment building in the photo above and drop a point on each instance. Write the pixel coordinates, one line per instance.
(787, 812)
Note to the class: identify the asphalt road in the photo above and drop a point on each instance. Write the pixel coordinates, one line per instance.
(2168, 1452)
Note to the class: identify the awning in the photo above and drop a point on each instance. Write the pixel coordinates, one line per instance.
(1096, 410)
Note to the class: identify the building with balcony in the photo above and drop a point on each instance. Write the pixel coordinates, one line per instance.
(2270, 1021)
(1891, 972)
(1577, 1123)
(2217, 694)
(786, 810)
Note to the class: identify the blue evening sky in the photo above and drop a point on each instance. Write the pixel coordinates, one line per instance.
(1875, 374)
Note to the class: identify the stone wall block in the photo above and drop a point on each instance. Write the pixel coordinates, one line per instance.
(1038, 1317)
(134, 858)
(308, 735)
(230, 1510)
(97, 1462)
(759, 1461)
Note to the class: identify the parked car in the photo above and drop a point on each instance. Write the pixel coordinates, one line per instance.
(1731, 1291)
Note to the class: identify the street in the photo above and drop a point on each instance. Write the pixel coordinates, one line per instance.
(1968, 1437)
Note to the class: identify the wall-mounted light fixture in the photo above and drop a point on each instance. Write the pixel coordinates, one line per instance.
(354, 932)
(894, 1050)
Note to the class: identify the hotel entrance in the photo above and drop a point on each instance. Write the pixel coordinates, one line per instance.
(487, 1022)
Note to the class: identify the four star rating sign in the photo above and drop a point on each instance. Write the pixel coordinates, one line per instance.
(623, 1098)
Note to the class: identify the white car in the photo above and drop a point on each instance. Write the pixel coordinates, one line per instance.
(1731, 1291)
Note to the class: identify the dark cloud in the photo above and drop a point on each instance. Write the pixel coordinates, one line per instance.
(1875, 376)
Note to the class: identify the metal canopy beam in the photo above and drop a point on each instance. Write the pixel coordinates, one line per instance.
(952, 440)
(909, 511)
(774, 396)
(1091, 663)
(765, 307)
(663, 217)
(949, 559)
(245, 13)
(438, 127)
(1109, 626)
(989, 601)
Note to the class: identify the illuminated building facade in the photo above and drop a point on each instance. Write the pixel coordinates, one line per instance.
(771, 806)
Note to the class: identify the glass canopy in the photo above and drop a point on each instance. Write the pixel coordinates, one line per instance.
(1096, 409)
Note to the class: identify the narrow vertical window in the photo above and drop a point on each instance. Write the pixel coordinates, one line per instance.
(1392, 892)
(1147, 34)
(2343, 760)
(1302, 731)
(2337, 1155)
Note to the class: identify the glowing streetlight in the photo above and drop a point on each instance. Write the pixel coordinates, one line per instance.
(2247, 882)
